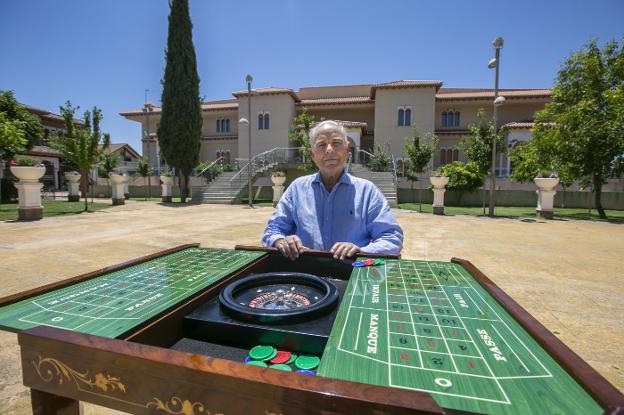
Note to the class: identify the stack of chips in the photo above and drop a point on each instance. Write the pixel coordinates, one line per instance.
(269, 356)
(368, 262)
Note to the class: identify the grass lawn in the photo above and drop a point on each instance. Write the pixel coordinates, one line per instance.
(8, 211)
(615, 216)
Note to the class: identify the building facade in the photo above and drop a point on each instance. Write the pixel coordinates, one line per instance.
(374, 114)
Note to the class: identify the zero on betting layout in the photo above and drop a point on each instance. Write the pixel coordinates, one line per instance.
(114, 303)
(434, 331)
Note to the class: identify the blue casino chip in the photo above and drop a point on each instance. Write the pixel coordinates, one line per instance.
(306, 372)
(358, 264)
(247, 359)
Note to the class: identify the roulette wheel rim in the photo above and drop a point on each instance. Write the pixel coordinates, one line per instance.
(229, 304)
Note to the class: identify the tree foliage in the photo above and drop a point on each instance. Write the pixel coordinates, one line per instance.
(477, 146)
(19, 129)
(82, 146)
(300, 131)
(380, 160)
(462, 177)
(145, 170)
(108, 163)
(419, 151)
(179, 130)
(580, 131)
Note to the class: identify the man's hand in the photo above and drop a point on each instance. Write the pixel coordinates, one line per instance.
(342, 250)
(290, 246)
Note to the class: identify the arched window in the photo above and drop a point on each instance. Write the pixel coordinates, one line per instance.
(456, 123)
(455, 155)
(260, 122)
(227, 156)
(401, 117)
(227, 125)
(444, 115)
(218, 126)
(266, 121)
(442, 157)
(408, 116)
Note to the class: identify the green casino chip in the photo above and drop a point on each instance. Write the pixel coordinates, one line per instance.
(293, 357)
(281, 366)
(271, 356)
(262, 352)
(257, 363)
(307, 362)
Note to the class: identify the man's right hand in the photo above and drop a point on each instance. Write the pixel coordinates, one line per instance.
(290, 246)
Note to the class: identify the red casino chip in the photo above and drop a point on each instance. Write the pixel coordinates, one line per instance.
(280, 357)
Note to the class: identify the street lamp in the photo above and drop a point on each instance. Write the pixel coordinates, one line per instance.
(498, 101)
(247, 121)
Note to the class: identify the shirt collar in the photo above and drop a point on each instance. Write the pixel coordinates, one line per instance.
(344, 178)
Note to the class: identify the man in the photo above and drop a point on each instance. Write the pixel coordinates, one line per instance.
(332, 210)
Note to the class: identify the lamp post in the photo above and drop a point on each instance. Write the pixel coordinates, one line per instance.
(498, 101)
(243, 122)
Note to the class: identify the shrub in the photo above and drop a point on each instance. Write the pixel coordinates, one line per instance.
(26, 161)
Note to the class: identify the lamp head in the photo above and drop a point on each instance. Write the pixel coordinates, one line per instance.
(499, 101)
(492, 63)
(498, 43)
(248, 79)
(243, 121)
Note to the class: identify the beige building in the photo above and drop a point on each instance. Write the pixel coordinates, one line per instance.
(374, 114)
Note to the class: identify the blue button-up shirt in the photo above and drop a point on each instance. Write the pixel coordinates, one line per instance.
(354, 211)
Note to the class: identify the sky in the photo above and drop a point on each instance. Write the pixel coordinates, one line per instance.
(106, 53)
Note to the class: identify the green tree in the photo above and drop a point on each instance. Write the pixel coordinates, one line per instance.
(380, 160)
(16, 117)
(179, 130)
(477, 146)
(82, 146)
(145, 169)
(584, 122)
(300, 130)
(419, 150)
(107, 164)
(462, 177)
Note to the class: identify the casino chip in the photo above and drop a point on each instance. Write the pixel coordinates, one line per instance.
(283, 367)
(358, 264)
(292, 359)
(307, 362)
(379, 262)
(261, 352)
(369, 262)
(281, 357)
(257, 363)
(306, 372)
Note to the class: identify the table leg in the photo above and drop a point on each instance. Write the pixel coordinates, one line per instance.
(44, 403)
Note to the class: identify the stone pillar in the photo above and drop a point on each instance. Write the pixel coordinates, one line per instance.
(118, 181)
(73, 186)
(29, 191)
(166, 182)
(278, 187)
(439, 183)
(546, 196)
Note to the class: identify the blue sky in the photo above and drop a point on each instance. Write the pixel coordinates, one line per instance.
(106, 53)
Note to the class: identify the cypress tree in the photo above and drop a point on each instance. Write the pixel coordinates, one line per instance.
(179, 130)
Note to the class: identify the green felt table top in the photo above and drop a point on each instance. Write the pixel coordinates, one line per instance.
(430, 326)
(114, 303)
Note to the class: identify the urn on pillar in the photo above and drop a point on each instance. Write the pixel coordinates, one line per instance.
(73, 185)
(278, 178)
(29, 188)
(439, 182)
(166, 183)
(546, 195)
(118, 182)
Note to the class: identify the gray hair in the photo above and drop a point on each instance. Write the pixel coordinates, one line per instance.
(335, 125)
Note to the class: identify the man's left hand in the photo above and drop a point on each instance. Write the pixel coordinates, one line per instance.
(342, 250)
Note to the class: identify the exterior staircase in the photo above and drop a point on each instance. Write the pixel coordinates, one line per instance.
(221, 190)
(384, 180)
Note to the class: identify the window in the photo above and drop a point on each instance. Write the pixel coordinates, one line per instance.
(404, 116)
(448, 155)
(223, 125)
(450, 119)
(263, 121)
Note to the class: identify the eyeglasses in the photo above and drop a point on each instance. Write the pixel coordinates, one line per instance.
(322, 145)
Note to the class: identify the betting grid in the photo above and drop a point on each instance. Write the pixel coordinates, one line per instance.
(114, 303)
(431, 309)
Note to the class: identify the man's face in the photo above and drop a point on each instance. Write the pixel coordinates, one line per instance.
(330, 151)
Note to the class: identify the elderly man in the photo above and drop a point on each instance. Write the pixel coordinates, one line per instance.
(332, 210)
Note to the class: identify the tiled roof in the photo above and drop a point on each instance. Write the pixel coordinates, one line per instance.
(113, 147)
(406, 84)
(527, 124)
(220, 105)
(336, 101)
(49, 115)
(346, 124)
(268, 91)
(453, 94)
